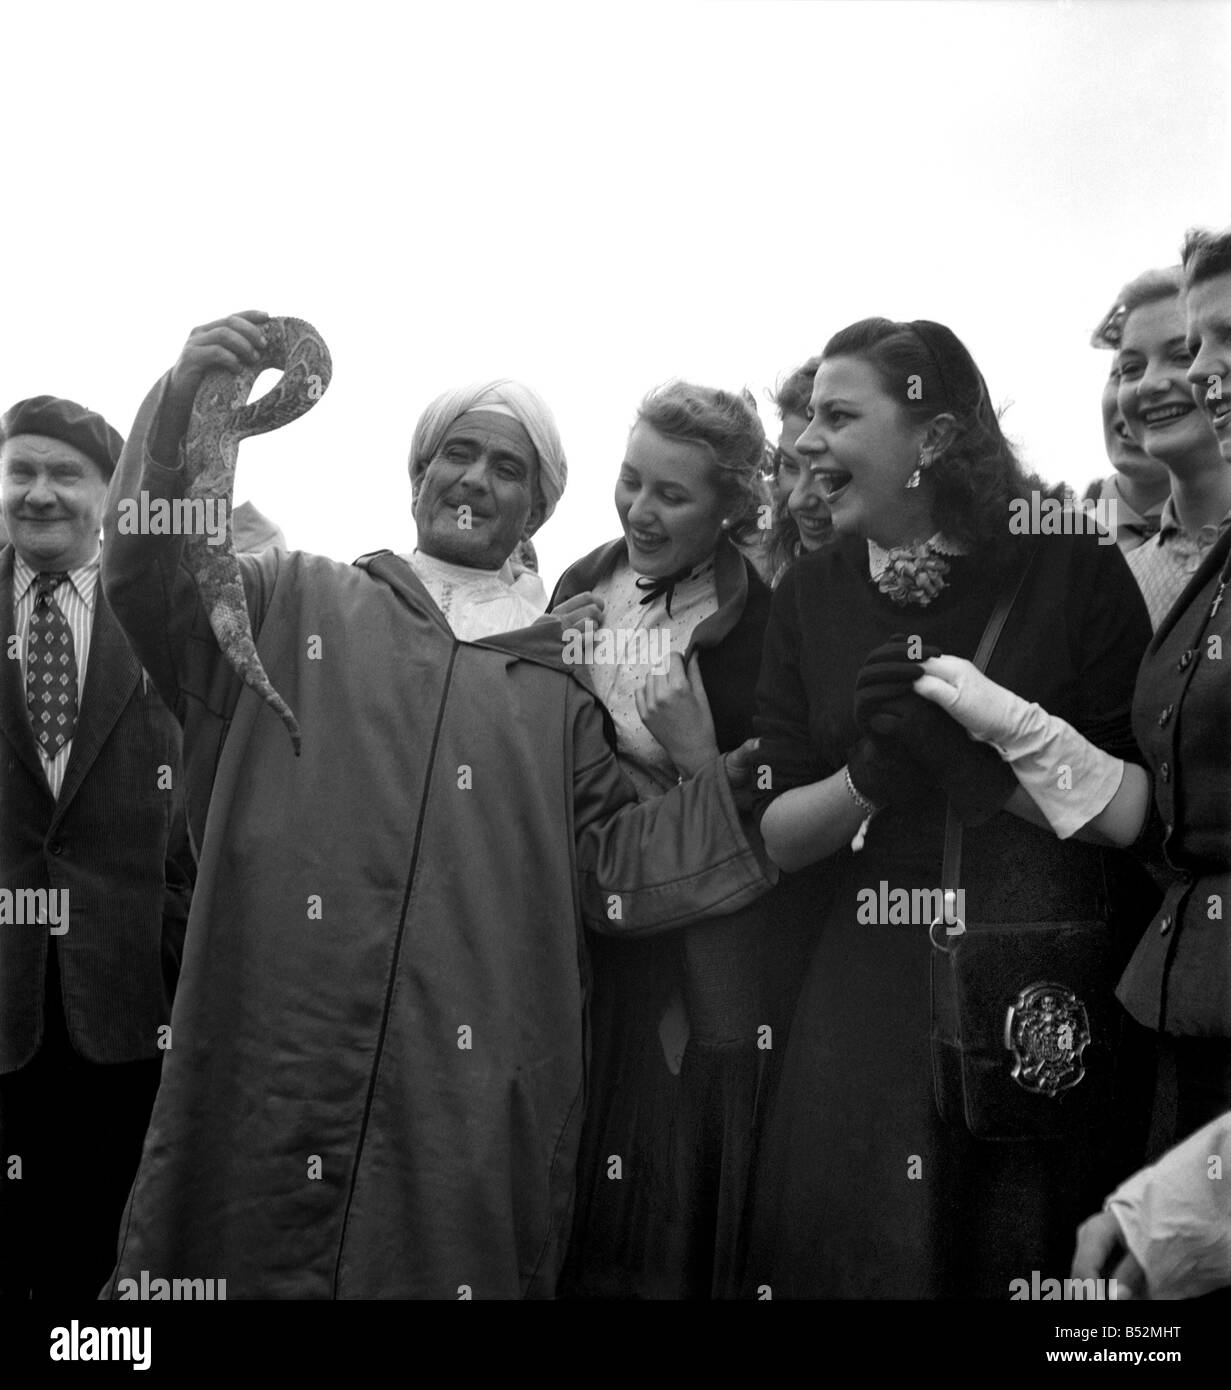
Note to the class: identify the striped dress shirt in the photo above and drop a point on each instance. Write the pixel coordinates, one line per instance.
(76, 597)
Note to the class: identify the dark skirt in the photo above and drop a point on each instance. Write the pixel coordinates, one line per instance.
(671, 1135)
(862, 1191)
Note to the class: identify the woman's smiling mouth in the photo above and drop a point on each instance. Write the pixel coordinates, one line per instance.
(833, 481)
(1160, 416)
(644, 541)
(1218, 408)
(813, 524)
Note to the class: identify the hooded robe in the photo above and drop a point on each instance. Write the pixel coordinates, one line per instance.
(375, 1083)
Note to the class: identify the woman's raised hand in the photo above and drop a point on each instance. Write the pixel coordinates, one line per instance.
(575, 612)
(674, 707)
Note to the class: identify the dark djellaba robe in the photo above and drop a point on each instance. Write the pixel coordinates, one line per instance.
(376, 1083)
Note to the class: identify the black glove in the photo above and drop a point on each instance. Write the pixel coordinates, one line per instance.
(974, 777)
(885, 773)
(886, 673)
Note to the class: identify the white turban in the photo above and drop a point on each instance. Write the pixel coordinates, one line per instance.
(508, 398)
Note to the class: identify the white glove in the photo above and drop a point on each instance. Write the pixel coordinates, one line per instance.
(1066, 776)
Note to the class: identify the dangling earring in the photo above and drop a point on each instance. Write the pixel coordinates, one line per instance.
(925, 459)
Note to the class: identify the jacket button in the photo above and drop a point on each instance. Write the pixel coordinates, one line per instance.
(1164, 771)
(1185, 661)
(56, 846)
(1164, 926)
(1164, 714)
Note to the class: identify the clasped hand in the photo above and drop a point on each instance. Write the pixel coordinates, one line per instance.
(987, 711)
(579, 612)
(674, 707)
(908, 741)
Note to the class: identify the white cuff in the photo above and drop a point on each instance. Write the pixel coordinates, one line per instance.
(1066, 776)
(1176, 1215)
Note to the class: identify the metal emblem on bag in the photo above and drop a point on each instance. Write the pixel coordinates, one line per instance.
(1047, 1030)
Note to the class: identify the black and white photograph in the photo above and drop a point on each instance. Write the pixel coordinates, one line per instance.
(613, 684)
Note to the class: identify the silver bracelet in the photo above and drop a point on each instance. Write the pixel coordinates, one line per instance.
(868, 808)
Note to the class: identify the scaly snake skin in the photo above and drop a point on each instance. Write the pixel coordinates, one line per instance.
(221, 419)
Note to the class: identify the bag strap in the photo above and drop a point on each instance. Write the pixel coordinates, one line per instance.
(951, 870)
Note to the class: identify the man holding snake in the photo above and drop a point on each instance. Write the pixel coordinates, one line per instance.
(376, 1083)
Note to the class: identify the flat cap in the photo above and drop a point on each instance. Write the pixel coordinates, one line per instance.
(58, 418)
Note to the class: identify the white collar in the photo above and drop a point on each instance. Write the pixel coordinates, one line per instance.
(84, 578)
(470, 575)
(879, 558)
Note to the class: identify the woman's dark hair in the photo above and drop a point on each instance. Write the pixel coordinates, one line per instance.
(974, 474)
(728, 425)
(794, 391)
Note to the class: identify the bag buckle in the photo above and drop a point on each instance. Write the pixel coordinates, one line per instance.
(948, 919)
(1047, 1029)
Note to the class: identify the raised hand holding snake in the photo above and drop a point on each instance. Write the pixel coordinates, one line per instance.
(206, 405)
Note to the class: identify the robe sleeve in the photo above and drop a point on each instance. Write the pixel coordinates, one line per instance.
(154, 595)
(1176, 1215)
(647, 866)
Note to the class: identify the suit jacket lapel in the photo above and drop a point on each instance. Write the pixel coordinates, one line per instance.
(14, 716)
(111, 676)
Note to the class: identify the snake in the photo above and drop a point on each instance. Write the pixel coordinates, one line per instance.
(221, 420)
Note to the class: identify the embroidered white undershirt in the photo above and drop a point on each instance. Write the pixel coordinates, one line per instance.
(695, 598)
(476, 603)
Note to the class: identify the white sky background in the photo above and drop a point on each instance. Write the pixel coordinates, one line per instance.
(594, 198)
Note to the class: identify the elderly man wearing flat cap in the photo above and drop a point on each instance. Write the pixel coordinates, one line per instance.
(91, 912)
(377, 1083)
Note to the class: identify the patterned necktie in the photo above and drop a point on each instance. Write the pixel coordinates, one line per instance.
(51, 670)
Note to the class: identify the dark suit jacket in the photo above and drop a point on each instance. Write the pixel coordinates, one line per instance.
(106, 841)
(1179, 980)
